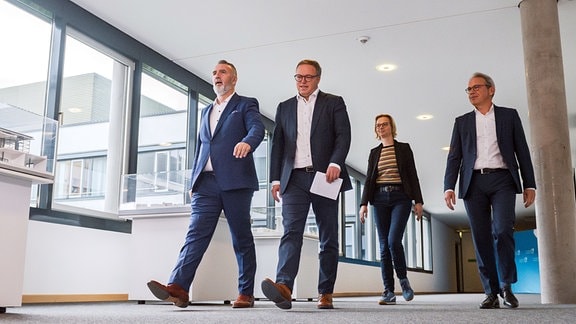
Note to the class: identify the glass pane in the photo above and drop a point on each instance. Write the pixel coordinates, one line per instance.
(162, 136)
(91, 142)
(260, 198)
(24, 67)
(418, 243)
(409, 242)
(24, 63)
(203, 103)
(352, 222)
(162, 107)
(155, 193)
(427, 239)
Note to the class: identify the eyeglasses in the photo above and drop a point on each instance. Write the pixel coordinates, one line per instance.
(300, 77)
(475, 88)
(382, 125)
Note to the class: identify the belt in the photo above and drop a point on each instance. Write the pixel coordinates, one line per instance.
(389, 188)
(305, 169)
(488, 170)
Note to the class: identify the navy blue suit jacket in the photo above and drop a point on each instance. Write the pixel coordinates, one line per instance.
(511, 142)
(240, 122)
(330, 138)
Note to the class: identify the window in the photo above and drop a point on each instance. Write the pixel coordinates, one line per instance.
(260, 200)
(162, 167)
(24, 64)
(80, 178)
(91, 150)
(25, 57)
(203, 103)
(418, 243)
(353, 227)
(163, 123)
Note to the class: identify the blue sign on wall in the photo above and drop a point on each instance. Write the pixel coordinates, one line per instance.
(526, 256)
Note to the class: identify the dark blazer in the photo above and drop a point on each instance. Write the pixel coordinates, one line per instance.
(240, 122)
(406, 168)
(329, 138)
(511, 142)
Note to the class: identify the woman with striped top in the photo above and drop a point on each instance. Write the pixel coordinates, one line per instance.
(391, 187)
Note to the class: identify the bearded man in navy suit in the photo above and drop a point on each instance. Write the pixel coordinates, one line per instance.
(311, 134)
(487, 149)
(223, 179)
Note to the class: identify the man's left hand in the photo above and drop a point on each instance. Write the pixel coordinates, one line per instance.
(332, 173)
(241, 150)
(529, 196)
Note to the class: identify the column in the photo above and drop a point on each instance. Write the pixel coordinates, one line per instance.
(550, 143)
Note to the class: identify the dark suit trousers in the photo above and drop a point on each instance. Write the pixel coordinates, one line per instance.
(296, 201)
(208, 201)
(490, 204)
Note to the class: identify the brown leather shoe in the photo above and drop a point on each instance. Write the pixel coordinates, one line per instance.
(325, 301)
(243, 301)
(279, 293)
(172, 293)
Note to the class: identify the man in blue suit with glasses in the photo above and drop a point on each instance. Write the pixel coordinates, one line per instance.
(487, 149)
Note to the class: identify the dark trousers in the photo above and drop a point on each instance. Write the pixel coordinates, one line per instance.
(296, 201)
(208, 201)
(391, 213)
(490, 204)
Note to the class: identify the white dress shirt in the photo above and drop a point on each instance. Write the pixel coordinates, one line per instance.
(487, 151)
(305, 110)
(215, 114)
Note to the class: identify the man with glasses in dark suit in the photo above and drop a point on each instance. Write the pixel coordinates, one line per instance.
(487, 149)
(312, 134)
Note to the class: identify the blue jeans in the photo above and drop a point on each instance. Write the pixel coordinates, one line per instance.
(391, 213)
(296, 201)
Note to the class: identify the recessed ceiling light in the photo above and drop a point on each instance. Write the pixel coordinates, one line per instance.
(165, 144)
(386, 67)
(446, 148)
(424, 117)
(74, 110)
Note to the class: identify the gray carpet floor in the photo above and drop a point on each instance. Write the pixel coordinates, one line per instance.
(445, 308)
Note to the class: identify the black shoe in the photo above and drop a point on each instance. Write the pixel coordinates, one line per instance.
(510, 300)
(490, 302)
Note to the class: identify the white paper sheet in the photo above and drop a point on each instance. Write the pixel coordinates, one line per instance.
(322, 188)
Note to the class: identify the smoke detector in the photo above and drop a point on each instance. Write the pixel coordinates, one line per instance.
(363, 39)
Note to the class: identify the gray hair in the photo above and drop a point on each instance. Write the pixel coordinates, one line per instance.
(486, 77)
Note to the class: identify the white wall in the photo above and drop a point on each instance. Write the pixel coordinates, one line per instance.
(64, 259)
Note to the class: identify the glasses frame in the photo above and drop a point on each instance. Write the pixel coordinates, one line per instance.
(308, 77)
(475, 88)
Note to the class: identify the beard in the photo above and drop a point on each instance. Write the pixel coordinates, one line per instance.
(222, 89)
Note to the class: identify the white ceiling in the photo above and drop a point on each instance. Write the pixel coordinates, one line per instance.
(436, 45)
